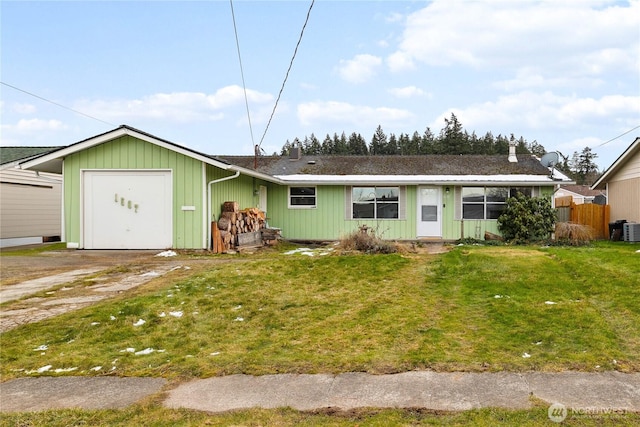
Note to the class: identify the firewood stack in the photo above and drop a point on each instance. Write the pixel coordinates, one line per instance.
(249, 224)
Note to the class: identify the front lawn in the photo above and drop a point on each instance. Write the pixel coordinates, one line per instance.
(475, 308)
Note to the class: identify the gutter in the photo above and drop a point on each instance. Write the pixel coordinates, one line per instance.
(209, 213)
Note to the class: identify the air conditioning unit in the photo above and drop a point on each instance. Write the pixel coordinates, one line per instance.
(631, 232)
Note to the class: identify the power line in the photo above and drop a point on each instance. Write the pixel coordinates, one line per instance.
(287, 74)
(619, 136)
(55, 103)
(244, 86)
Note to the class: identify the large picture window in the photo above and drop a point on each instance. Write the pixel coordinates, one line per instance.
(375, 202)
(302, 197)
(488, 202)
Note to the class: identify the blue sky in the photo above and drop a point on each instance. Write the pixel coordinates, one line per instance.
(565, 73)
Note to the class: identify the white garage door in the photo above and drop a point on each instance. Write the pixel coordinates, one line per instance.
(127, 209)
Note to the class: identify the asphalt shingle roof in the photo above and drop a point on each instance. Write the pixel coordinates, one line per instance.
(11, 154)
(391, 165)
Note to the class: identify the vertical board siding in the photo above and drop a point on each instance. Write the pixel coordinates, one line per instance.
(131, 153)
(242, 189)
(624, 199)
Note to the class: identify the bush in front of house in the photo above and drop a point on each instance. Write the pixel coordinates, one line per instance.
(365, 240)
(527, 219)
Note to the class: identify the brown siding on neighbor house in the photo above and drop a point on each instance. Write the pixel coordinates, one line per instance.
(624, 198)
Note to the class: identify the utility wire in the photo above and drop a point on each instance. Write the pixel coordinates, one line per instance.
(287, 74)
(244, 86)
(56, 104)
(619, 136)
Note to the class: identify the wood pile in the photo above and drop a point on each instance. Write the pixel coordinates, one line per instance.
(241, 228)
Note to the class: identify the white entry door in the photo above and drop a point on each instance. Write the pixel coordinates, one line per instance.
(127, 209)
(429, 212)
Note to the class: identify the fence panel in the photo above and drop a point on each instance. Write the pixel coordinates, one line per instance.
(592, 215)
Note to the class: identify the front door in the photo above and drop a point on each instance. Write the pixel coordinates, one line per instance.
(429, 212)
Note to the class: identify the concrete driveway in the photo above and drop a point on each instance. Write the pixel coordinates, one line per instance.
(37, 287)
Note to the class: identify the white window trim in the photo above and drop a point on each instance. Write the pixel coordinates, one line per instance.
(535, 192)
(402, 203)
(315, 196)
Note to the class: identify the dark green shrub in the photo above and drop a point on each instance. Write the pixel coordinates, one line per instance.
(527, 219)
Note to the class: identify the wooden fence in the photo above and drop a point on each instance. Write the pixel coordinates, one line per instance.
(592, 215)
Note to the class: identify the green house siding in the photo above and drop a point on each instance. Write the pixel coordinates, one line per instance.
(327, 221)
(131, 153)
(242, 189)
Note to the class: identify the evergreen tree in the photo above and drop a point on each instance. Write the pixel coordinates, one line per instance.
(428, 142)
(392, 145)
(357, 146)
(378, 142)
(327, 146)
(584, 169)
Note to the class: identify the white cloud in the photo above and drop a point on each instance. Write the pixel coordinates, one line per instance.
(38, 125)
(22, 108)
(408, 92)
(176, 106)
(582, 37)
(546, 111)
(359, 69)
(342, 112)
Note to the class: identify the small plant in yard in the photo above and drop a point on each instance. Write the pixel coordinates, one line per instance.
(527, 219)
(365, 240)
(573, 234)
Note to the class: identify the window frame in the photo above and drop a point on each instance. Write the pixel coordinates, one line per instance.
(296, 206)
(511, 191)
(376, 202)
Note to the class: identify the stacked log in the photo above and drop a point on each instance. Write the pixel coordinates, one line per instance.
(234, 222)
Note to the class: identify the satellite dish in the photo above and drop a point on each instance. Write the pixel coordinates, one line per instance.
(549, 160)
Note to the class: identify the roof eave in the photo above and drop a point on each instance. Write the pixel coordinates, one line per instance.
(617, 164)
(519, 180)
(52, 162)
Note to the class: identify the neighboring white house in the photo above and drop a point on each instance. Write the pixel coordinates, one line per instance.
(30, 202)
(622, 184)
(581, 194)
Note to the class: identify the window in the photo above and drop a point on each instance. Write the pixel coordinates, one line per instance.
(486, 202)
(375, 202)
(302, 197)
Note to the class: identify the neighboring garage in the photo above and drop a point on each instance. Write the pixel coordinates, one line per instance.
(127, 209)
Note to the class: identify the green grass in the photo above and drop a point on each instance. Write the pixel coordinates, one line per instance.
(33, 251)
(337, 313)
(139, 415)
(379, 314)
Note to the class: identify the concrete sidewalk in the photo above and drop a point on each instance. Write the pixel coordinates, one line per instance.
(431, 390)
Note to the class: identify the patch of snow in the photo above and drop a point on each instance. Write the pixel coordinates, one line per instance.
(145, 351)
(161, 351)
(215, 353)
(50, 292)
(44, 369)
(237, 307)
(550, 302)
(176, 313)
(539, 342)
(64, 288)
(150, 274)
(526, 355)
(41, 348)
(112, 317)
(169, 295)
(167, 254)
(638, 251)
(163, 314)
(140, 322)
(96, 368)
(239, 319)
(295, 251)
(95, 323)
(60, 370)
(128, 350)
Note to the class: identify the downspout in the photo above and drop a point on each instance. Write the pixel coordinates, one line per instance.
(215, 181)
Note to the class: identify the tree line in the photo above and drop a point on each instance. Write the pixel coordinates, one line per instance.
(452, 139)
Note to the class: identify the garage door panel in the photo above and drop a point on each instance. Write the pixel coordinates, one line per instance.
(127, 210)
